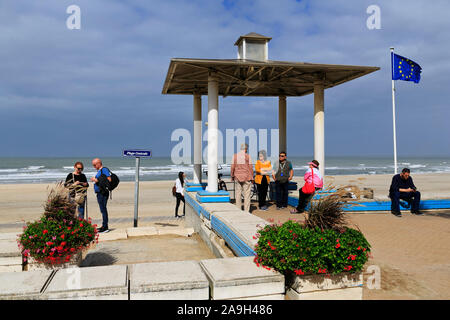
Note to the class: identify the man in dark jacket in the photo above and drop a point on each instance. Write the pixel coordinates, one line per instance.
(402, 187)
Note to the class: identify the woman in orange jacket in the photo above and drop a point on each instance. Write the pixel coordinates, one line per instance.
(263, 169)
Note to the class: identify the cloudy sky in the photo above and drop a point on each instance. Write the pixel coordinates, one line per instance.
(97, 90)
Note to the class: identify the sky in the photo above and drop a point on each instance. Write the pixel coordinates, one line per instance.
(96, 90)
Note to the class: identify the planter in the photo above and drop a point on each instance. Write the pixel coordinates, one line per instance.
(31, 264)
(344, 286)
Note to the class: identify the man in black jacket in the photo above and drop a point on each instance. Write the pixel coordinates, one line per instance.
(402, 187)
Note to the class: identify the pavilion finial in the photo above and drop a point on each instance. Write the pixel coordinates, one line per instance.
(253, 46)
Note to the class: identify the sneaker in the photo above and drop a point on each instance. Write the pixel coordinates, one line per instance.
(417, 213)
(296, 212)
(103, 230)
(397, 214)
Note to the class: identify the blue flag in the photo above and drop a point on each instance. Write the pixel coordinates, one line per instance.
(405, 69)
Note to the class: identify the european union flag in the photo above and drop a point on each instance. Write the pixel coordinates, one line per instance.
(405, 69)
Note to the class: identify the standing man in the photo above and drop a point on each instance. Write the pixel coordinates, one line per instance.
(242, 175)
(402, 187)
(283, 173)
(100, 181)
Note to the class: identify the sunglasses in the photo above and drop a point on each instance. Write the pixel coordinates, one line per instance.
(281, 156)
(79, 168)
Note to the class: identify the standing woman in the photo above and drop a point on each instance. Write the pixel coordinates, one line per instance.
(179, 184)
(76, 181)
(263, 169)
(312, 175)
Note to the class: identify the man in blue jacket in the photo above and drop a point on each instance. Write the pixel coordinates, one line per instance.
(402, 187)
(101, 191)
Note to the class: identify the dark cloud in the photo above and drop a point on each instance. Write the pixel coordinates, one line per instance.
(98, 90)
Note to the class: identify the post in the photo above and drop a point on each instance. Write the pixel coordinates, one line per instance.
(136, 193)
(213, 128)
(197, 138)
(319, 125)
(393, 111)
(282, 123)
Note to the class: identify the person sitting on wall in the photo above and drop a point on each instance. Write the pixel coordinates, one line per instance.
(402, 187)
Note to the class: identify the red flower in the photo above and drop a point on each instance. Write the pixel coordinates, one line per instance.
(338, 246)
(299, 272)
(81, 224)
(62, 236)
(348, 268)
(45, 231)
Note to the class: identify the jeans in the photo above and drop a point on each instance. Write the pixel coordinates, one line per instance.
(81, 209)
(303, 200)
(413, 197)
(282, 193)
(102, 201)
(180, 198)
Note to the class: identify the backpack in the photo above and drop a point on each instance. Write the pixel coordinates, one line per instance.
(107, 185)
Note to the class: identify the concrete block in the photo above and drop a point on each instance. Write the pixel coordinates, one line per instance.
(10, 264)
(92, 283)
(142, 232)
(23, 285)
(9, 248)
(311, 283)
(234, 278)
(354, 293)
(214, 207)
(185, 232)
(118, 234)
(179, 280)
(12, 236)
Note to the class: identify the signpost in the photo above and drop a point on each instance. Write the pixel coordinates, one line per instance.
(137, 154)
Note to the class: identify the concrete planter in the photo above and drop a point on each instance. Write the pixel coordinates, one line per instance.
(344, 286)
(31, 264)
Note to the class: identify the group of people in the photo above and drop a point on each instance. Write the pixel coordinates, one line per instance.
(281, 173)
(402, 186)
(243, 175)
(78, 184)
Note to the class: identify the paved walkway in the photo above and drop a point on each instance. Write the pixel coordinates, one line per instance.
(412, 252)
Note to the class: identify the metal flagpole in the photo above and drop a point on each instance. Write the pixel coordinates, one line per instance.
(393, 110)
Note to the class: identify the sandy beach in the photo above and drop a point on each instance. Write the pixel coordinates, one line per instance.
(24, 202)
(411, 252)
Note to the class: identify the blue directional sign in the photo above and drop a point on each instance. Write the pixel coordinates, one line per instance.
(137, 153)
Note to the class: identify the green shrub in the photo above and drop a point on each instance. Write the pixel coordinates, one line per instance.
(59, 235)
(292, 246)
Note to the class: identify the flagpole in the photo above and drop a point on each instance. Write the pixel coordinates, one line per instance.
(393, 110)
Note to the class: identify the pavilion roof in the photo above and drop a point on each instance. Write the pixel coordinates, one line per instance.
(238, 77)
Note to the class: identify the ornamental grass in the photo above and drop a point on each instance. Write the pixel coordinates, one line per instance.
(323, 244)
(58, 236)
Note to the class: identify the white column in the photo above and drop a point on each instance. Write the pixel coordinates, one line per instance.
(282, 123)
(319, 125)
(213, 128)
(197, 138)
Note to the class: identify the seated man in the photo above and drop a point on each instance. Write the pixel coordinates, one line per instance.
(402, 187)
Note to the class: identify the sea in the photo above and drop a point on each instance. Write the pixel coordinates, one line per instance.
(52, 170)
